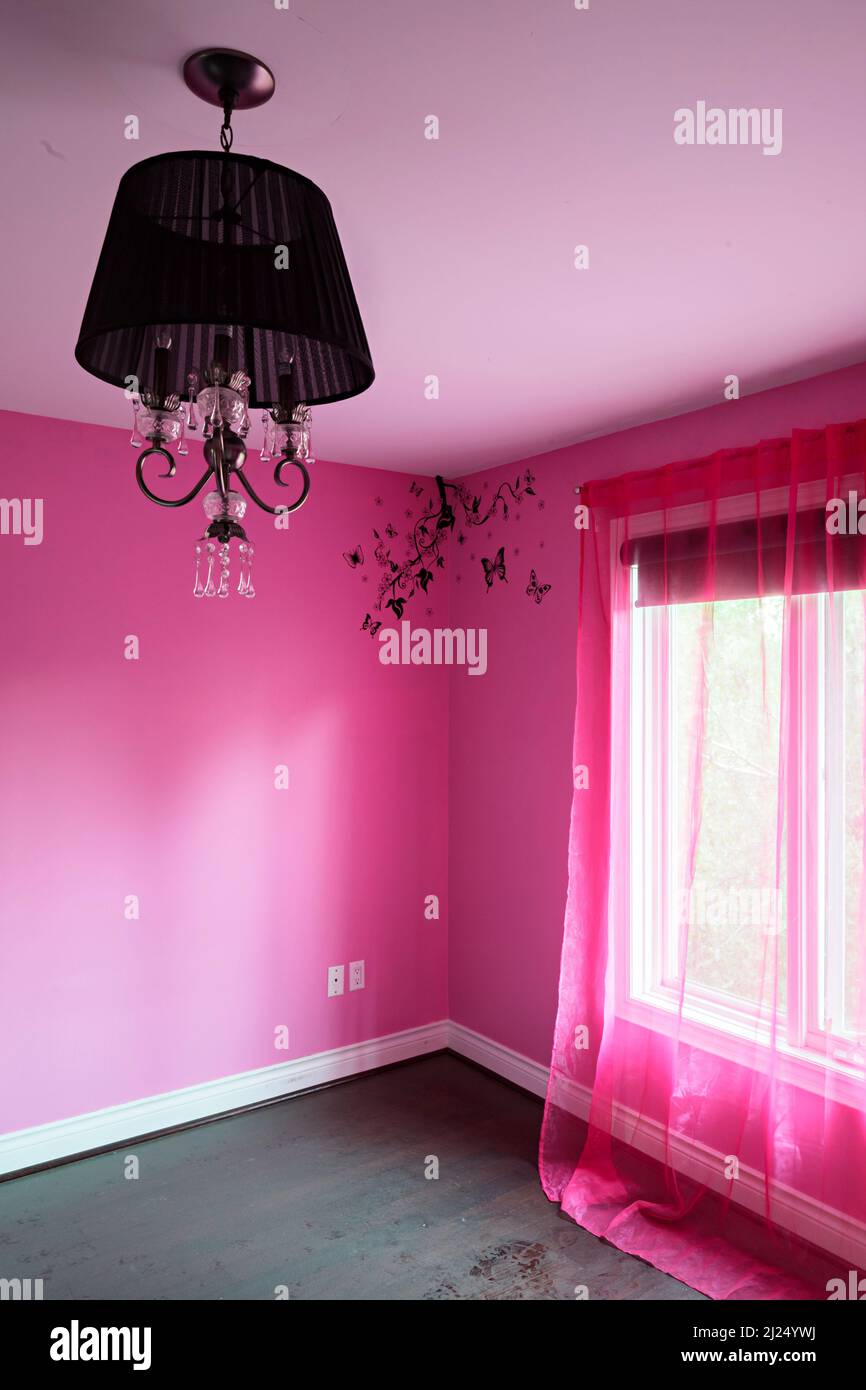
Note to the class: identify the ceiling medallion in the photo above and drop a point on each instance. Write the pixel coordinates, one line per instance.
(222, 288)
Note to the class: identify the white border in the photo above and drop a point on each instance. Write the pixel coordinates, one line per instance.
(118, 1124)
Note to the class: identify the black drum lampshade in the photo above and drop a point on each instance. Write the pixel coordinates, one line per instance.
(208, 243)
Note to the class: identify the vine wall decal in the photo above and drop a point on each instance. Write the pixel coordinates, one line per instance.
(401, 579)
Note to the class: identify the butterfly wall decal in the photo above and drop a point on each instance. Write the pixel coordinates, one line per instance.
(495, 568)
(534, 589)
(430, 520)
(369, 626)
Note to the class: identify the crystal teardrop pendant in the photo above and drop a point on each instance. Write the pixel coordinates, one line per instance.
(209, 589)
(193, 381)
(265, 454)
(198, 587)
(223, 590)
(244, 575)
(136, 439)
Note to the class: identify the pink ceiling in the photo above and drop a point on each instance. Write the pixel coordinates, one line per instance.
(556, 128)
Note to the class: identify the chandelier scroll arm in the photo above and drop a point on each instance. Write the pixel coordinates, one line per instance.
(283, 506)
(166, 501)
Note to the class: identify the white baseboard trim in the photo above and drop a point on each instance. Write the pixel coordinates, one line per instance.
(511, 1065)
(804, 1216)
(28, 1148)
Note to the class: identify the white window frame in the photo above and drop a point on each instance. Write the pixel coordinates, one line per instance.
(805, 1055)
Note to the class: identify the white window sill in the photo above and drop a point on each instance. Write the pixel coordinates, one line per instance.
(748, 1042)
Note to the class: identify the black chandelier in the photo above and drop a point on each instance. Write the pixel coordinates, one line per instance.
(222, 288)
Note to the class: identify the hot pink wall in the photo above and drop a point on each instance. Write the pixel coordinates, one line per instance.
(510, 782)
(156, 777)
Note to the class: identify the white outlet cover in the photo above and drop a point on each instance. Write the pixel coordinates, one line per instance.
(356, 974)
(336, 980)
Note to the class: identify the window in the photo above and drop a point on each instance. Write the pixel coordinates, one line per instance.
(773, 931)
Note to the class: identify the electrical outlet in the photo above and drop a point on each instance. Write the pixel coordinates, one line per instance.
(356, 974)
(336, 983)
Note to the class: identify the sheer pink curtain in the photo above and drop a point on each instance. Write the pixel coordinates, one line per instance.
(707, 1104)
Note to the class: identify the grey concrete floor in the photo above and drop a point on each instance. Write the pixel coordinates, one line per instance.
(326, 1196)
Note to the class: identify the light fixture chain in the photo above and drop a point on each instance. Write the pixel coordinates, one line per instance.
(227, 135)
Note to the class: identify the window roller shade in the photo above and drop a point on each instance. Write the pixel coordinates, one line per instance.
(745, 559)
